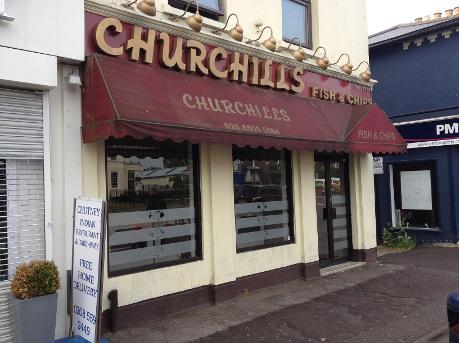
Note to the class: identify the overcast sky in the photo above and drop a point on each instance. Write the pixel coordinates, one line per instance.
(383, 14)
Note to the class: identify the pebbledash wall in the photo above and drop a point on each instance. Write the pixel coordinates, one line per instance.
(220, 264)
(40, 120)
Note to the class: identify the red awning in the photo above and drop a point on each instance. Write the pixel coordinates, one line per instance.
(122, 98)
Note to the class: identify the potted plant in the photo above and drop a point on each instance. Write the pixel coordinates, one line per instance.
(34, 286)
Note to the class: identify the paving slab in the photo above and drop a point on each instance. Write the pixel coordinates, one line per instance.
(400, 299)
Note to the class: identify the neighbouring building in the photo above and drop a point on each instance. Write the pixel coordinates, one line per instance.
(228, 163)
(40, 113)
(413, 63)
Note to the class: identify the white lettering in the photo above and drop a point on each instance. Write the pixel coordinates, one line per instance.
(451, 128)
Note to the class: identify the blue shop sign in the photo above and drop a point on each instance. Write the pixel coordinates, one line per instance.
(431, 133)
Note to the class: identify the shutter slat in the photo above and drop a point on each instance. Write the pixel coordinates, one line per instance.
(21, 124)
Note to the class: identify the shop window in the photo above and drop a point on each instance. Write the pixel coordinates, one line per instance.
(211, 9)
(153, 219)
(296, 22)
(415, 194)
(262, 198)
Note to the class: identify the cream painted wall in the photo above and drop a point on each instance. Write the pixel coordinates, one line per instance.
(362, 201)
(307, 211)
(339, 26)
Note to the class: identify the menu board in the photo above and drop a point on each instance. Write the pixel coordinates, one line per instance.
(416, 190)
(89, 223)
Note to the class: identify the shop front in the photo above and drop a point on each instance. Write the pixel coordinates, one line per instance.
(422, 184)
(225, 168)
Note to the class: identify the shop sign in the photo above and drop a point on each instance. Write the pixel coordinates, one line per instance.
(89, 224)
(431, 133)
(378, 165)
(137, 44)
(331, 95)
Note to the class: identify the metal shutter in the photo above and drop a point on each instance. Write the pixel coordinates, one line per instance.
(21, 124)
(22, 203)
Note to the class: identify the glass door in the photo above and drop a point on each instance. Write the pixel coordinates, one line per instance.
(333, 214)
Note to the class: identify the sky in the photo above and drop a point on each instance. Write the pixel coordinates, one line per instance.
(383, 14)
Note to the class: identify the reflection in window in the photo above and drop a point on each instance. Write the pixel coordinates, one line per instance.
(415, 192)
(114, 180)
(296, 21)
(151, 213)
(262, 202)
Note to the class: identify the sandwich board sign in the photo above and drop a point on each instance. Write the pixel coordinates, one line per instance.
(87, 269)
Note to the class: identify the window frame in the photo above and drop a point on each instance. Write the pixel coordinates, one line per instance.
(308, 25)
(117, 179)
(291, 209)
(430, 165)
(196, 160)
(203, 9)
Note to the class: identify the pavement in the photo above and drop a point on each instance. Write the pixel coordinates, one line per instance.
(402, 298)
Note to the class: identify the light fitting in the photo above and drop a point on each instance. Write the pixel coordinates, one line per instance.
(347, 67)
(322, 62)
(73, 79)
(270, 43)
(194, 21)
(147, 7)
(237, 33)
(299, 54)
(365, 75)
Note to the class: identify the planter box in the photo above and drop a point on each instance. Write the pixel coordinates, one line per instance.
(37, 319)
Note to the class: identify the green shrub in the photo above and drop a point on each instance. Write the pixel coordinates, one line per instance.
(396, 237)
(35, 279)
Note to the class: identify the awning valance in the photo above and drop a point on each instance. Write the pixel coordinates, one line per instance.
(130, 99)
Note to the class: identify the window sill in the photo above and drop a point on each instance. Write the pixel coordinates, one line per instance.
(168, 10)
(433, 229)
(141, 269)
(262, 247)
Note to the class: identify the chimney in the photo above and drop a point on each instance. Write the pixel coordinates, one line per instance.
(427, 17)
(448, 13)
(456, 10)
(437, 15)
(418, 20)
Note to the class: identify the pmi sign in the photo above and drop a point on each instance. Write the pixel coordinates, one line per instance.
(89, 223)
(431, 133)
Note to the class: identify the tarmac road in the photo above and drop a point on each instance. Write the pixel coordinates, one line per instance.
(402, 298)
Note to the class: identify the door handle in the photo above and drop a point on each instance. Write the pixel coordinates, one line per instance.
(325, 213)
(333, 213)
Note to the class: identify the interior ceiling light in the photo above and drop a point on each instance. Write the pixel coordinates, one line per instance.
(270, 43)
(299, 54)
(365, 75)
(347, 67)
(237, 33)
